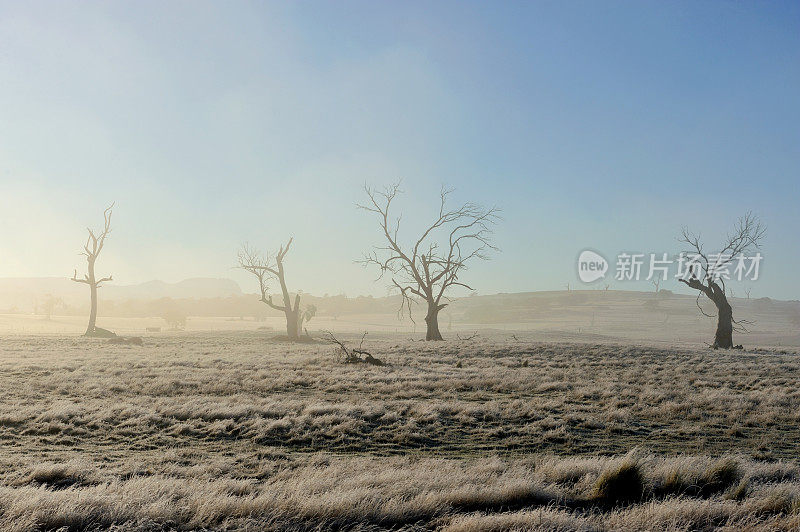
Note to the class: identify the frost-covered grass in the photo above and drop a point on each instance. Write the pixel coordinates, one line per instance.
(230, 431)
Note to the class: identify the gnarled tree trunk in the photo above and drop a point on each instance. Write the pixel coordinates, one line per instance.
(292, 313)
(292, 325)
(724, 336)
(432, 321)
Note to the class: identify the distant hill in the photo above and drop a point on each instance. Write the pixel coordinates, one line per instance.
(587, 314)
(186, 289)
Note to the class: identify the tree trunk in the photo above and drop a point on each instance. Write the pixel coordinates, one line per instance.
(432, 320)
(291, 325)
(291, 312)
(93, 290)
(724, 336)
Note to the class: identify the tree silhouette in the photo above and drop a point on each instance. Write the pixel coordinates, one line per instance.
(49, 305)
(91, 250)
(265, 268)
(433, 264)
(747, 235)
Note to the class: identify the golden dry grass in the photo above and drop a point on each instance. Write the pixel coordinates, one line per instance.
(234, 431)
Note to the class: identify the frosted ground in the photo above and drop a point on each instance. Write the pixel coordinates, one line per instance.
(232, 430)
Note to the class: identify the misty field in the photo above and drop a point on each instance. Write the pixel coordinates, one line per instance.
(230, 431)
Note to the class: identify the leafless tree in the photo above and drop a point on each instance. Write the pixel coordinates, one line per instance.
(268, 268)
(746, 236)
(433, 264)
(49, 305)
(656, 281)
(91, 250)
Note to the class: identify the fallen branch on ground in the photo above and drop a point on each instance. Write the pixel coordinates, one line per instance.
(353, 356)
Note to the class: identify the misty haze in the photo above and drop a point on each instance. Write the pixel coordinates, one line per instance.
(399, 266)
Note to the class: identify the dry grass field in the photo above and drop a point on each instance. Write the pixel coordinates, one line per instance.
(234, 431)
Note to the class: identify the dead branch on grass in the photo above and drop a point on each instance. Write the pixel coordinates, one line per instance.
(353, 356)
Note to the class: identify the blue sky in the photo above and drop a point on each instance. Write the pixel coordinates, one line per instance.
(603, 125)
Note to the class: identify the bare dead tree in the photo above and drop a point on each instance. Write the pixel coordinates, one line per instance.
(656, 281)
(268, 268)
(91, 250)
(746, 236)
(433, 264)
(49, 305)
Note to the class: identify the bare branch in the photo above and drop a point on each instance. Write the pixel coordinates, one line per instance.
(85, 279)
(747, 236)
(262, 267)
(92, 248)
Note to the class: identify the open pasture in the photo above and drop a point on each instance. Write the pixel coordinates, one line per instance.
(234, 430)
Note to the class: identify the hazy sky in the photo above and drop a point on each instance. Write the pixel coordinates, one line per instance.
(605, 125)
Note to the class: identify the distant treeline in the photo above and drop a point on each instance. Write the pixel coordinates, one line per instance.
(489, 309)
(242, 306)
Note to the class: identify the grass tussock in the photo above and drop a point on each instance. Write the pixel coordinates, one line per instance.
(704, 480)
(620, 482)
(56, 476)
